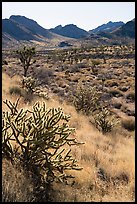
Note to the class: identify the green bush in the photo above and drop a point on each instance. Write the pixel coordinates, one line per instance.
(42, 141)
(15, 90)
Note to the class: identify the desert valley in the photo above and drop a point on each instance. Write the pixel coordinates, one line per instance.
(68, 112)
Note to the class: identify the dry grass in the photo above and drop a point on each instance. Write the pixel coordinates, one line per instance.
(15, 186)
(108, 161)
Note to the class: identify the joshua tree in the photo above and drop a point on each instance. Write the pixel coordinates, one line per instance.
(25, 55)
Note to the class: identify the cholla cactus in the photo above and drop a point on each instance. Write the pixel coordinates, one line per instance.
(86, 99)
(42, 93)
(104, 121)
(29, 84)
(41, 138)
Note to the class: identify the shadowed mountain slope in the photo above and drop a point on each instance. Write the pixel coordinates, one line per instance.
(108, 27)
(70, 30)
(32, 25)
(127, 30)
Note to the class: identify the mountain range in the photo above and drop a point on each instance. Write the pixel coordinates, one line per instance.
(70, 30)
(127, 30)
(108, 27)
(19, 29)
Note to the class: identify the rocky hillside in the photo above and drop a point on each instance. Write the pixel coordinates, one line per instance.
(127, 30)
(125, 34)
(19, 29)
(32, 25)
(108, 27)
(70, 30)
(16, 30)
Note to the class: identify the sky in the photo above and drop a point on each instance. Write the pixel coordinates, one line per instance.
(86, 15)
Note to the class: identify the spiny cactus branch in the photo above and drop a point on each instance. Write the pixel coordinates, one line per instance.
(40, 135)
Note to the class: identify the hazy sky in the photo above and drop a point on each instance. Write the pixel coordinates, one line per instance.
(86, 15)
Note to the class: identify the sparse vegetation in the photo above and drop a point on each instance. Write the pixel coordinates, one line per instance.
(131, 96)
(65, 77)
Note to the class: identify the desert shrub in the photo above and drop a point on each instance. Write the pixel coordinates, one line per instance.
(113, 83)
(95, 62)
(128, 124)
(86, 98)
(4, 62)
(44, 75)
(41, 93)
(28, 97)
(107, 83)
(124, 108)
(117, 105)
(15, 90)
(94, 70)
(94, 66)
(67, 73)
(75, 78)
(123, 88)
(129, 111)
(131, 96)
(105, 121)
(74, 68)
(82, 65)
(116, 93)
(41, 138)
